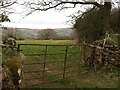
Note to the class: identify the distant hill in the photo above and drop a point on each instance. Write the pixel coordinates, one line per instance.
(32, 33)
(28, 33)
(64, 31)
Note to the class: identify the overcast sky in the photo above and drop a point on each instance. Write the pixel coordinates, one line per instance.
(42, 19)
(46, 19)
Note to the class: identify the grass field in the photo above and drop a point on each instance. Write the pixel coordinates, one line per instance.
(86, 79)
(46, 41)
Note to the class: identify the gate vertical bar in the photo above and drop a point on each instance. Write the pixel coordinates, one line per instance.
(79, 58)
(18, 48)
(64, 67)
(44, 63)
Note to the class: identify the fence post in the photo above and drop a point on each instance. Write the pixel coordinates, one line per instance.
(44, 63)
(119, 73)
(64, 67)
(118, 78)
(18, 48)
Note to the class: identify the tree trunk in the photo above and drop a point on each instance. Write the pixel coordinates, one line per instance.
(105, 20)
(105, 16)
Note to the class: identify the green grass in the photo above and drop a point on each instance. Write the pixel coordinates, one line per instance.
(86, 79)
(46, 41)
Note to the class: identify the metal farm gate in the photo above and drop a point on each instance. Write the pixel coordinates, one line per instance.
(48, 63)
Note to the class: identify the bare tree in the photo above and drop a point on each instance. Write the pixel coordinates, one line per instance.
(44, 5)
(6, 3)
(6, 9)
(47, 34)
(11, 33)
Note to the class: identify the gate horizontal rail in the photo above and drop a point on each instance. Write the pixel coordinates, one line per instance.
(30, 54)
(50, 44)
(43, 62)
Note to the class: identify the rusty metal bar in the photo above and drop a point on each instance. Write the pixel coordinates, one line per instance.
(72, 52)
(44, 62)
(32, 71)
(18, 48)
(79, 59)
(71, 71)
(49, 75)
(43, 76)
(34, 78)
(45, 82)
(51, 44)
(73, 59)
(33, 63)
(53, 80)
(50, 62)
(42, 70)
(68, 66)
(65, 61)
(72, 75)
(56, 74)
(31, 54)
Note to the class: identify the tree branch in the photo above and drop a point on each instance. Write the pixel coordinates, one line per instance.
(94, 3)
(45, 9)
(58, 4)
(8, 4)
